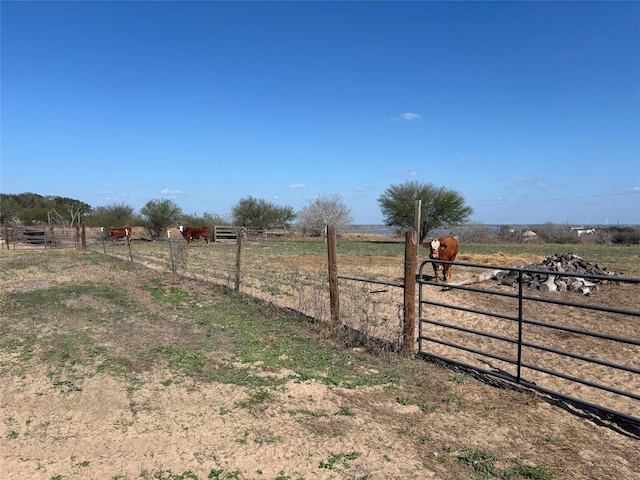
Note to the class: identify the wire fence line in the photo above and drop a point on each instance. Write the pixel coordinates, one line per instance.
(372, 302)
(297, 281)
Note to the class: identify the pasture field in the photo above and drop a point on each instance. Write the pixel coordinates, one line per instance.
(293, 273)
(621, 259)
(120, 370)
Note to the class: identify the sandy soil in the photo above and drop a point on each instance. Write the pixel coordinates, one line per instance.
(111, 429)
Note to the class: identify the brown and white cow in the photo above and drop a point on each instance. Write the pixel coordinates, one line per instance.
(193, 233)
(443, 248)
(118, 233)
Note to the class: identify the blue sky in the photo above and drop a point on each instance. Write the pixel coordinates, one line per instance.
(531, 110)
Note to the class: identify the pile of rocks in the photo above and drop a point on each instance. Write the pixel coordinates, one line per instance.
(553, 281)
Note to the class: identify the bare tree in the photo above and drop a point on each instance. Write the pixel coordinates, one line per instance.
(67, 210)
(325, 210)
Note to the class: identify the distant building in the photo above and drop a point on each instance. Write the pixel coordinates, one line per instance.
(583, 230)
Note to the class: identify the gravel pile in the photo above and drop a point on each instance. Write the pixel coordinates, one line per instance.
(553, 281)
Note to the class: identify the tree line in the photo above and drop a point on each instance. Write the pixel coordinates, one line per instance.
(440, 207)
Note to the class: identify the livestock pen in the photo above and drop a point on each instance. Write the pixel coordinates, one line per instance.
(583, 348)
(40, 236)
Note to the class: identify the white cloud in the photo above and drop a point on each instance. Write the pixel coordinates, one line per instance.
(522, 182)
(412, 173)
(409, 116)
(634, 189)
(298, 185)
(115, 198)
(166, 191)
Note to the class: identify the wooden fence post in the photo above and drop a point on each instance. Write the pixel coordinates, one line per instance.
(418, 213)
(334, 298)
(173, 264)
(104, 243)
(129, 244)
(5, 234)
(83, 238)
(410, 260)
(238, 258)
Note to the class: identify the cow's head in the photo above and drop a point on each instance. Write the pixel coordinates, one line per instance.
(181, 228)
(435, 248)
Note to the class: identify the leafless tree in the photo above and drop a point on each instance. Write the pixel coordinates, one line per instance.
(328, 209)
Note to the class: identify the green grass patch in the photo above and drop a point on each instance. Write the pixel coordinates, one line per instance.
(70, 358)
(336, 460)
(484, 465)
(181, 360)
(90, 302)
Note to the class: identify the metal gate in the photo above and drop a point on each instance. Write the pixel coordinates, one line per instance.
(586, 353)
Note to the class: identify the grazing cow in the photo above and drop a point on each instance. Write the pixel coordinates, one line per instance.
(443, 248)
(118, 233)
(193, 233)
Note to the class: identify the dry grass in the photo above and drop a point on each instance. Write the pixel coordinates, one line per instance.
(502, 259)
(113, 370)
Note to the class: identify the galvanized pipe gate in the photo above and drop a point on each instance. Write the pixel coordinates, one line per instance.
(501, 336)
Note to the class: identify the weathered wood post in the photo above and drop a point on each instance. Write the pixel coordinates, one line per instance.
(83, 238)
(6, 233)
(418, 219)
(104, 243)
(50, 238)
(238, 258)
(410, 261)
(76, 239)
(173, 265)
(334, 298)
(126, 231)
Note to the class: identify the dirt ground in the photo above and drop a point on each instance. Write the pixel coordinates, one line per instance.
(375, 302)
(111, 429)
